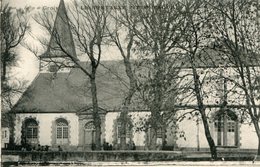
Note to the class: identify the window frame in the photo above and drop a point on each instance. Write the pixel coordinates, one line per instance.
(31, 131)
(224, 124)
(89, 127)
(62, 131)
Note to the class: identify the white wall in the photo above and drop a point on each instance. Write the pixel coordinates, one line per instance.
(109, 121)
(190, 138)
(138, 137)
(45, 126)
(248, 137)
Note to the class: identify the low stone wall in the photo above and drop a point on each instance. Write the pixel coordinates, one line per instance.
(91, 156)
(83, 156)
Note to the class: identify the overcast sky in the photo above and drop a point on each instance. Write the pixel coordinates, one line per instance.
(28, 66)
(33, 3)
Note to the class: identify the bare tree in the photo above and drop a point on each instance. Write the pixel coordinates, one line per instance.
(197, 17)
(122, 37)
(237, 29)
(87, 21)
(14, 25)
(153, 29)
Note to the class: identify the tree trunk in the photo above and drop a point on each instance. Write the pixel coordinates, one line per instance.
(258, 150)
(3, 76)
(164, 132)
(257, 129)
(129, 73)
(155, 107)
(11, 119)
(201, 107)
(256, 125)
(96, 117)
(211, 142)
(153, 130)
(153, 138)
(123, 121)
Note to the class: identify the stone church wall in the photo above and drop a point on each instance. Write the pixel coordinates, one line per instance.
(189, 133)
(45, 124)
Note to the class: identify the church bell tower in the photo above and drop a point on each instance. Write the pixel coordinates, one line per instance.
(61, 49)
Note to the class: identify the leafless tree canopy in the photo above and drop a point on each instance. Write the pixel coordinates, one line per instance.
(169, 49)
(14, 25)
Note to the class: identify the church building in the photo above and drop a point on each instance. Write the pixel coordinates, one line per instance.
(56, 109)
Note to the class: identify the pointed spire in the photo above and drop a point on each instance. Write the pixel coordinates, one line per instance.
(61, 36)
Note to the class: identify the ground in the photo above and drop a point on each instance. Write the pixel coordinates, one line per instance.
(198, 162)
(162, 164)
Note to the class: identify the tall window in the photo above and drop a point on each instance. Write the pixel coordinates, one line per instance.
(4, 134)
(31, 131)
(62, 131)
(89, 133)
(226, 129)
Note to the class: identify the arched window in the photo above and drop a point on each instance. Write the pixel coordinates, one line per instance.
(31, 131)
(89, 126)
(5, 134)
(62, 131)
(226, 128)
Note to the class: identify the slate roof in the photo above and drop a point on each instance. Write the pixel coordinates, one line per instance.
(216, 55)
(70, 92)
(210, 58)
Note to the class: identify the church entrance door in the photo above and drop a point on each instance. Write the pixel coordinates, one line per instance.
(89, 135)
